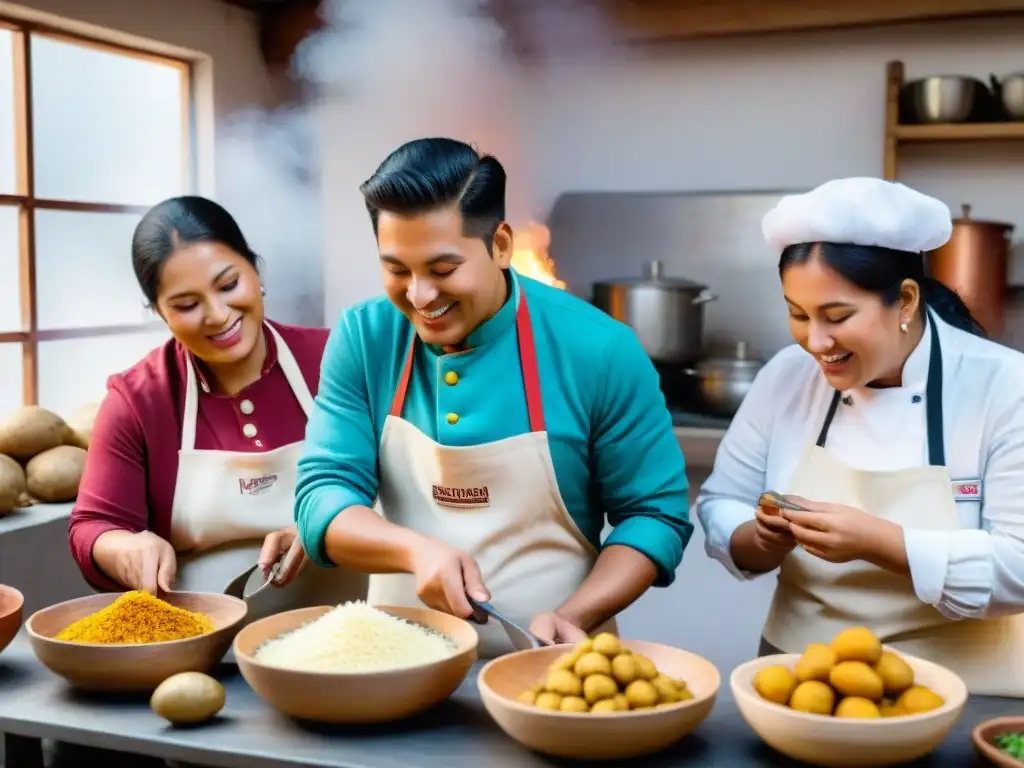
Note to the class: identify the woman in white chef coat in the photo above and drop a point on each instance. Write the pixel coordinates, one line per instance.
(898, 427)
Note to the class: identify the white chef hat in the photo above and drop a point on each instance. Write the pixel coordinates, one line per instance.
(859, 211)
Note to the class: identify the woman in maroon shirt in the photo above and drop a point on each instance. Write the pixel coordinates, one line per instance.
(190, 473)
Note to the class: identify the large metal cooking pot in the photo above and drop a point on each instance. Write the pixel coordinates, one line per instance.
(974, 263)
(943, 98)
(726, 380)
(667, 314)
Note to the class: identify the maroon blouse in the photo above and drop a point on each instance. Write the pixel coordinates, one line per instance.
(132, 464)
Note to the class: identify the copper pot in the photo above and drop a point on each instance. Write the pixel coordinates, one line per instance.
(973, 263)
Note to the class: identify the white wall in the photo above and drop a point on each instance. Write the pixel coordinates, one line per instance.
(770, 112)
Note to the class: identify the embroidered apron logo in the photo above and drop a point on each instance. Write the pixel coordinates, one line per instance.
(967, 490)
(463, 498)
(256, 485)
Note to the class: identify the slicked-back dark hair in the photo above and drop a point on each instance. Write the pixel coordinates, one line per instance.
(425, 175)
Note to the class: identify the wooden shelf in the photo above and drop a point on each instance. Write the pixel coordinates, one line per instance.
(896, 134)
(917, 134)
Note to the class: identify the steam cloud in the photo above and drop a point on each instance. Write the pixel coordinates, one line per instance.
(381, 72)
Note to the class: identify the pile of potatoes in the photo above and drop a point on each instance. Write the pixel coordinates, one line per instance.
(42, 456)
(602, 676)
(851, 677)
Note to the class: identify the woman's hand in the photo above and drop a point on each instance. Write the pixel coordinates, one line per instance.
(284, 542)
(772, 531)
(554, 629)
(137, 560)
(839, 533)
(444, 576)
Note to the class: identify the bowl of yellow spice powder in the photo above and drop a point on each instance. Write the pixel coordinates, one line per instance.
(134, 641)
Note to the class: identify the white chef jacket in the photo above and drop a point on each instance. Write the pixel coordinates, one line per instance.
(975, 572)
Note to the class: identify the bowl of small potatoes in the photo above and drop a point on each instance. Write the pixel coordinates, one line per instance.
(601, 699)
(849, 702)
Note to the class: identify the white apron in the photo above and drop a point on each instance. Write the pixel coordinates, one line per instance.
(816, 599)
(226, 502)
(499, 502)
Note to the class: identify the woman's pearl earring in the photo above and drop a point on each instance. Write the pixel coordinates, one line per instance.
(904, 327)
(263, 292)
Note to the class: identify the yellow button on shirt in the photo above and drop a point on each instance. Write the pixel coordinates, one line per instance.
(451, 378)
(453, 418)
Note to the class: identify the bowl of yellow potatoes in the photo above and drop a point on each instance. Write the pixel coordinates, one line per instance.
(850, 702)
(601, 699)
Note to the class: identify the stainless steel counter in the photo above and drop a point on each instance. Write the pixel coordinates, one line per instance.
(458, 734)
(35, 557)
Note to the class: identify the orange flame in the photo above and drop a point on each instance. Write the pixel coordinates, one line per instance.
(530, 254)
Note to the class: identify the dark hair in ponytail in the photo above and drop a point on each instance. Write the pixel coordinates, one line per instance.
(175, 223)
(882, 271)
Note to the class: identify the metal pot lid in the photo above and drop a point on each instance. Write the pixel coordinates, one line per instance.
(965, 218)
(656, 277)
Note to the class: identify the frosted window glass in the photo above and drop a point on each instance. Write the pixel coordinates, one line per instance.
(74, 372)
(7, 175)
(107, 126)
(10, 376)
(10, 293)
(84, 271)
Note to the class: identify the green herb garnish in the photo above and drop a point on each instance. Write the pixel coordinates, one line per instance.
(1012, 744)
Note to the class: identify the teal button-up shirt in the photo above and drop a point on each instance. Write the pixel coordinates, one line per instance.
(609, 431)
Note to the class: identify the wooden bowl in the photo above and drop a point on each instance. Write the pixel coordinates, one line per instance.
(584, 736)
(984, 736)
(11, 602)
(140, 667)
(355, 697)
(828, 741)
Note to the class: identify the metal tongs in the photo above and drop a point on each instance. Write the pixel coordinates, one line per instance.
(521, 639)
(778, 501)
(237, 586)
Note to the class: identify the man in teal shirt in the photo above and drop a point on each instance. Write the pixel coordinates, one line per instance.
(495, 422)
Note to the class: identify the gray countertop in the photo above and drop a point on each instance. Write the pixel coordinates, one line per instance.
(41, 514)
(35, 703)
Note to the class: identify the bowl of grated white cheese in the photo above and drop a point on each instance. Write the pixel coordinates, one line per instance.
(355, 663)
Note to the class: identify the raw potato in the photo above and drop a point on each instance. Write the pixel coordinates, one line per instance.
(53, 476)
(775, 683)
(857, 706)
(564, 682)
(918, 699)
(857, 644)
(30, 430)
(81, 423)
(853, 670)
(855, 678)
(188, 698)
(813, 697)
(896, 674)
(600, 676)
(816, 663)
(13, 491)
